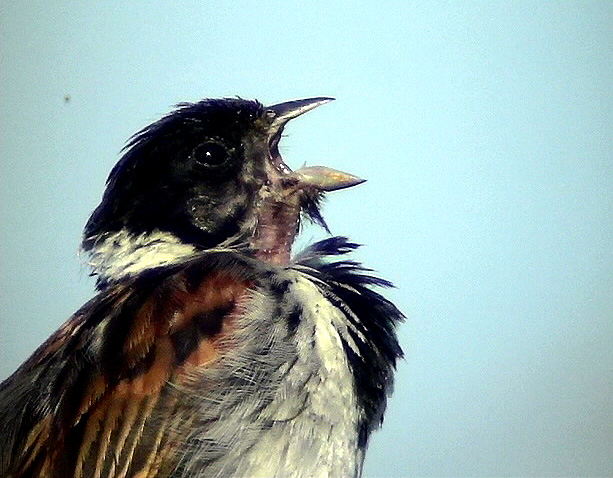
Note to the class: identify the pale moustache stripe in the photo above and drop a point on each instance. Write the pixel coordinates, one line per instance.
(124, 253)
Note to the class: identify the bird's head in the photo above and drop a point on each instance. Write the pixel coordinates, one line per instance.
(207, 174)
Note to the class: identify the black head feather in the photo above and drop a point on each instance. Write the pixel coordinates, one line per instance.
(166, 182)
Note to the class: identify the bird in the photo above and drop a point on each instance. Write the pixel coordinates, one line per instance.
(210, 347)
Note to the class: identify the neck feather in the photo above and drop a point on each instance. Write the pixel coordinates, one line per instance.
(124, 254)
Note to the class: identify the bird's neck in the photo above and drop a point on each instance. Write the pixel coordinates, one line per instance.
(278, 223)
(123, 254)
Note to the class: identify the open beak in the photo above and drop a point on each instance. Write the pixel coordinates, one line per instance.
(318, 177)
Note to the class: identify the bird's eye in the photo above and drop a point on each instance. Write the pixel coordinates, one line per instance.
(210, 153)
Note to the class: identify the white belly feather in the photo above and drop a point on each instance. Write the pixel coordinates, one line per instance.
(322, 439)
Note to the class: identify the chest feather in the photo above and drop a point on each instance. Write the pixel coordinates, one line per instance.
(320, 438)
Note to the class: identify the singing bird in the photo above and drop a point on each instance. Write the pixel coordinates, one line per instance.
(210, 349)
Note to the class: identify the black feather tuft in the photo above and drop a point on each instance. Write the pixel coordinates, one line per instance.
(312, 210)
(332, 246)
(348, 285)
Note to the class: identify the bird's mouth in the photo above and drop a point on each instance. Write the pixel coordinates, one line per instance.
(290, 192)
(275, 156)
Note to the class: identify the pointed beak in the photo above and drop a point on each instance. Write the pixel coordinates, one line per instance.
(325, 179)
(317, 177)
(283, 112)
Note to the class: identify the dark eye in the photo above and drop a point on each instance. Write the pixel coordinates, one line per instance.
(210, 153)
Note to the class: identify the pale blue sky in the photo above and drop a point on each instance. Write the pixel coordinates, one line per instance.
(485, 133)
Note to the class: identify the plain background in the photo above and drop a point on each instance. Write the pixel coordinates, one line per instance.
(485, 133)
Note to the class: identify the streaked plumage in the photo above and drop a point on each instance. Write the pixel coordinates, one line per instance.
(207, 350)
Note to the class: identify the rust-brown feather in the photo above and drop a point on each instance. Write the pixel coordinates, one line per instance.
(121, 424)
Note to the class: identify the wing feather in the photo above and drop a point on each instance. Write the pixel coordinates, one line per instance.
(103, 405)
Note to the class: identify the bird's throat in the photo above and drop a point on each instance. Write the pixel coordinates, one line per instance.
(278, 224)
